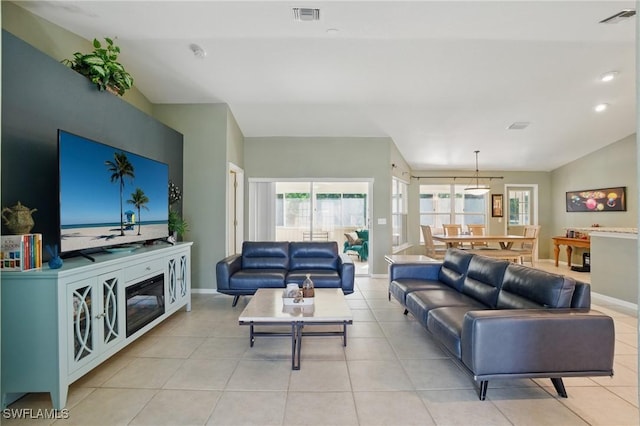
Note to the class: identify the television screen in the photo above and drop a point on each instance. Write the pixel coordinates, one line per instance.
(108, 196)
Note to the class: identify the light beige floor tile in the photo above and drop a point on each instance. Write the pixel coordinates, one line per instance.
(320, 408)
(372, 348)
(269, 348)
(202, 374)
(462, 407)
(627, 361)
(426, 374)
(104, 371)
(144, 373)
(390, 315)
(622, 376)
(624, 349)
(628, 393)
(252, 375)
(249, 408)
(139, 345)
(33, 409)
(362, 315)
(108, 407)
(231, 329)
(172, 347)
(391, 408)
(532, 406)
(378, 376)
(365, 329)
(221, 347)
(320, 376)
(598, 406)
(324, 348)
(630, 339)
(357, 303)
(185, 408)
(416, 348)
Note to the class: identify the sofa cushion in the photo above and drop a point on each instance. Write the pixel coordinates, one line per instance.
(581, 298)
(528, 288)
(420, 302)
(322, 278)
(402, 286)
(265, 255)
(446, 325)
(258, 278)
(484, 278)
(454, 268)
(313, 255)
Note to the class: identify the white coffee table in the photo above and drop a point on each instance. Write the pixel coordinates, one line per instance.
(266, 308)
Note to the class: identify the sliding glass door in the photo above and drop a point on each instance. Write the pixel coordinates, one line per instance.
(317, 210)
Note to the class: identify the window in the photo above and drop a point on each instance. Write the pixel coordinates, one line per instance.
(444, 204)
(399, 212)
(519, 207)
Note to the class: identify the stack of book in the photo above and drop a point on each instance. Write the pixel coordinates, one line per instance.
(21, 252)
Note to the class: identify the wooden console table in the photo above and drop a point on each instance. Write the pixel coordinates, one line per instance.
(570, 243)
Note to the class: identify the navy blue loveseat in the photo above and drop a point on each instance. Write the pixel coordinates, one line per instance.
(273, 264)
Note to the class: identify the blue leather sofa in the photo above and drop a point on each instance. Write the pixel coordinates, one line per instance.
(273, 264)
(501, 320)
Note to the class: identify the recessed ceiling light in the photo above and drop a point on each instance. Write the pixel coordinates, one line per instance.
(601, 107)
(198, 51)
(620, 16)
(608, 76)
(519, 125)
(333, 31)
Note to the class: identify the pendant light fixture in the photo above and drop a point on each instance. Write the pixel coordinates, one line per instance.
(477, 189)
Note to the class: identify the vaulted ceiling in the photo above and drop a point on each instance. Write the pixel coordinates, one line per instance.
(441, 78)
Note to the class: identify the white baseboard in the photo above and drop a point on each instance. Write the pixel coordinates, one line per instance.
(204, 291)
(597, 297)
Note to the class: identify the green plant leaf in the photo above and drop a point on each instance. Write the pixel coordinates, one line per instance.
(96, 43)
(109, 41)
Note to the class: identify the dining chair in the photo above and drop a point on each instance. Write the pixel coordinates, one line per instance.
(452, 230)
(529, 250)
(477, 230)
(429, 244)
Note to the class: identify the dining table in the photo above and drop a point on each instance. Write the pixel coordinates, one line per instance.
(505, 241)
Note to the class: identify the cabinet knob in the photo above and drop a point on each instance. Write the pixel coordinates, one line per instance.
(102, 315)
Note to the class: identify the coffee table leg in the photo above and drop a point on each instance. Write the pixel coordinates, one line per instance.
(251, 336)
(344, 334)
(296, 344)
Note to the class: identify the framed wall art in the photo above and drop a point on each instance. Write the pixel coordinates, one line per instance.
(597, 200)
(496, 205)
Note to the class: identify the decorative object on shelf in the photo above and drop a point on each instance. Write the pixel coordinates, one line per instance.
(21, 252)
(56, 261)
(177, 225)
(497, 202)
(102, 68)
(18, 219)
(308, 287)
(597, 200)
(477, 189)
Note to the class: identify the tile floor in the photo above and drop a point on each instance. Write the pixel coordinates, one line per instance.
(197, 368)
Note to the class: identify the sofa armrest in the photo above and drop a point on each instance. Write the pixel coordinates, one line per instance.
(537, 343)
(225, 268)
(427, 271)
(346, 270)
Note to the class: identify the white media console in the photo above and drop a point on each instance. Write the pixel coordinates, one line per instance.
(58, 324)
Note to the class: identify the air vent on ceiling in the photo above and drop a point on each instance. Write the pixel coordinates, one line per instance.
(519, 125)
(620, 16)
(306, 14)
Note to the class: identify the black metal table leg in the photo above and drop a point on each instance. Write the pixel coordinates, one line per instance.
(252, 339)
(344, 334)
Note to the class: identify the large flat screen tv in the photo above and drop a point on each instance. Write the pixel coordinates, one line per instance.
(109, 197)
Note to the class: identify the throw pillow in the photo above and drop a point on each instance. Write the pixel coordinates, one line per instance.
(353, 239)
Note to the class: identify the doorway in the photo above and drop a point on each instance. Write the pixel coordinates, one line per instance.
(522, 205)
(317, 210)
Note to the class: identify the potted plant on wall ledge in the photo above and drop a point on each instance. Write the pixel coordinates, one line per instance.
(102, 68)
(177, 225)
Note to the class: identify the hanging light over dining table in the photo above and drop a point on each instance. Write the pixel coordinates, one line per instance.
(477, 189)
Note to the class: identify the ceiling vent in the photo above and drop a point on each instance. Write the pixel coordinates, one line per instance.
(519, 125)
(306, 14)
(620, 16)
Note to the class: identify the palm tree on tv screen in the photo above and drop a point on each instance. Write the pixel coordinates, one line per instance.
(120, 168)
(139, 199)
